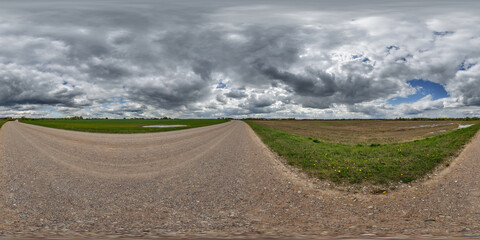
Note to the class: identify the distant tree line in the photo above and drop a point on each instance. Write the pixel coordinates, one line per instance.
(438, 119)
(270, 119)
(8, 118)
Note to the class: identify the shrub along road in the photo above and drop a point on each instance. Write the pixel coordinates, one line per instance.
(216, 180)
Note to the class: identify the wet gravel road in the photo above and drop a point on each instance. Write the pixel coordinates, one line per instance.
(212, 181)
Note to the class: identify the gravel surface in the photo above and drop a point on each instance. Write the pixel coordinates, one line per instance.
(215, 181)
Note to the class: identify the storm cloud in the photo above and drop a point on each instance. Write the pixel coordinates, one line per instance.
(310, 59)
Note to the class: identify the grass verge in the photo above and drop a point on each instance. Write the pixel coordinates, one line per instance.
(2, 122)
(375, 163)
(122, 125)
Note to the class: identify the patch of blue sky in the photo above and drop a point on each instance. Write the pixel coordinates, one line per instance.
(221, 85)
(423, 89)
(443, 33)
(393, 47)
(465, 66)
(65, 83)
(52, 112)
(118, 100)
(364, 59)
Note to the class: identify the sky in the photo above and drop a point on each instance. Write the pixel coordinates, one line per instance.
(264, 58)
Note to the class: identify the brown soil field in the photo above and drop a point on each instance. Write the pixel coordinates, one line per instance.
(363, 131)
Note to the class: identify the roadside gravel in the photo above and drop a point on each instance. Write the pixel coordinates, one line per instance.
(217, 181)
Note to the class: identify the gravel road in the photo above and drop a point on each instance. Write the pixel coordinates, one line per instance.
(218, 180)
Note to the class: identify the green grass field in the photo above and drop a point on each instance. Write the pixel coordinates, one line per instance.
(374, 163)
(123, 125)
(2, 122)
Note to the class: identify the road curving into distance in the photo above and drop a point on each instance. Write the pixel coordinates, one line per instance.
(216, 181)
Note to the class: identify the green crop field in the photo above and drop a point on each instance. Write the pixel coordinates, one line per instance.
(123, 125)
(373, 163)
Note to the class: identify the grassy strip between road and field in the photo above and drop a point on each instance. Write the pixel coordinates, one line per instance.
(122, 125)
(375, 163)
(2, 122)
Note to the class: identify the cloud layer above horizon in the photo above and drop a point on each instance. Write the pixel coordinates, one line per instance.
(209, 59)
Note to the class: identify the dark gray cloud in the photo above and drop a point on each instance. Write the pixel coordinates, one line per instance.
(308, 58)
(234, 93)
(169, 93)
(319, 89)
(471, 93)
(20, 86)
(260, 104)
